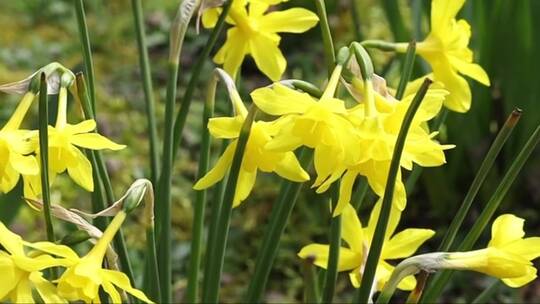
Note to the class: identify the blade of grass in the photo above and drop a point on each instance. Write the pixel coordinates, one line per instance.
(216, 264)
(147, 88)
(357, 26)
(333, 256)
(311, 287)
(200, 200)
(382, 222)
(439, 281)
(281, 212)
(483, 171)
(487, 294)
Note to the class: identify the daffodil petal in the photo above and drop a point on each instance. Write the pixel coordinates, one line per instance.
(352, 231)
(280, 100)
(111, 291)
(443, 11)
(290, 168)
(405, 243)
(122, 281)
(232, 52)
(345, 191)
(294, 20)
(505, 229)
(219, 170)
(246, 181)
(225, 127)
(95, 141)
(55, 249)
(528, 248)
(23, 292)
(81, 172)
(267, 56)
(46, 290)
(523, 280)
(348, 259)
(472, 70)
(82, 127)
(459, 99)
(10, 241)
(24, 164)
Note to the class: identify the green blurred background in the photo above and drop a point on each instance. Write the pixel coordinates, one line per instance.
(506, 42)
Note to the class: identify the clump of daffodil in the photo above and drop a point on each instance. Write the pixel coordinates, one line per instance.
(446, 50)
(84, 276)
(358, 239)
(255, 32)
(15, 148)
(22, 272)
(256, 156)
(318, 124)
(64, 153)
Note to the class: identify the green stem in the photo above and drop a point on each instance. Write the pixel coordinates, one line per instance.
(181, 116)
(440, 280)
(200, 200)
(147, 88)
(360, 193)
(152, 263)
(408, 66)
(281, 212)
(379, 44)
(382, 222)
(329, 51)
(87, 52)
(333, 256)
(305, 86)
(216, 265)
(311, 287)
(163, 206)
(44, 156)
(103, 178)
(485, 167)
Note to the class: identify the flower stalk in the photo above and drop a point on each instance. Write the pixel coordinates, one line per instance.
(147, 88)
(328, 44)
(216, 266)
(382, 222)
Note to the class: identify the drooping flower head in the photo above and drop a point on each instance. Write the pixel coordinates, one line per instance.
(446, 50)
(255, 32)
(358, 239)
(256, 156)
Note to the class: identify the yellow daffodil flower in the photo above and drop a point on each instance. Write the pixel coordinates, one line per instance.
(321, 125)
(84, 276)
(15, 148)
(378, 125)
(256, 156)
(358, 239)
(21, 272)
(508, 255)
(64, 154)
(446, 50)
(256, 33)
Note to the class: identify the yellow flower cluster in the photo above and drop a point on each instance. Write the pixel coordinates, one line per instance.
(20, 149)
(81, 280)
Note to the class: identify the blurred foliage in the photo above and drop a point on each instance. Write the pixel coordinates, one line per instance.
(506, 40)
